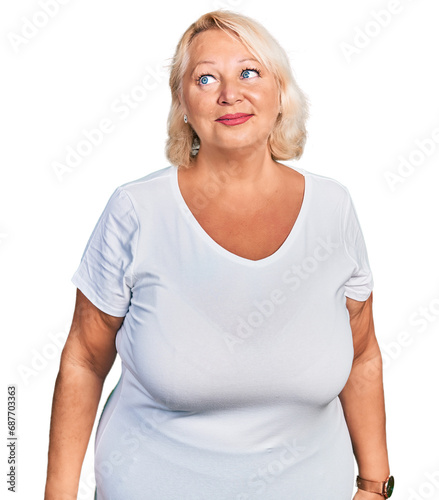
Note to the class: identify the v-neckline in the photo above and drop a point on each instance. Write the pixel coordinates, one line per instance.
(227, 253)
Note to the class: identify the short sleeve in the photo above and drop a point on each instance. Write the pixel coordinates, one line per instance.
(105, 273)
(360, 285)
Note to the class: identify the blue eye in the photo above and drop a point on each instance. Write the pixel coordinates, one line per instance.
(247, 73)
(204, 80)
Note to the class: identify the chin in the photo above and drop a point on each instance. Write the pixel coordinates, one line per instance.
(235, 142)
(239, 146)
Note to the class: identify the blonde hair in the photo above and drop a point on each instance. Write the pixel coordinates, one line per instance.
(288, 137)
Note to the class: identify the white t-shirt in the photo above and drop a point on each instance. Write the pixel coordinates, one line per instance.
(231, 368)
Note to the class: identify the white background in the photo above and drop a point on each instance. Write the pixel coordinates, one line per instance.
(370, 111)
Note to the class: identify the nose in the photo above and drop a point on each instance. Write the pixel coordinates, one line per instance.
(230, 93)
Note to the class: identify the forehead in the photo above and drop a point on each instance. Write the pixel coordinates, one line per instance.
(215, 43)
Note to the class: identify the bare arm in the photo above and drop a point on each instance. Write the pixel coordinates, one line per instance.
(362, 398)
(86, 359)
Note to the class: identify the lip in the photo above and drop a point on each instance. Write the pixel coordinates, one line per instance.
(233, 119)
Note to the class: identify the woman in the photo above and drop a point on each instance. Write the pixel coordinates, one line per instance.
(238, 294)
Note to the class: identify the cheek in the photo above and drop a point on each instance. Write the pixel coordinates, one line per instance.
(267, 99)
(268, 106)
(202, 107)
(197, 102)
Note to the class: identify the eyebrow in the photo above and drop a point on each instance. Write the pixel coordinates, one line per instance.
(213, 62)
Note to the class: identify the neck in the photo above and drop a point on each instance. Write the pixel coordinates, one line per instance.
(241, 171)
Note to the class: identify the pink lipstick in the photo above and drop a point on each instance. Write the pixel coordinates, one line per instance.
(235, 119)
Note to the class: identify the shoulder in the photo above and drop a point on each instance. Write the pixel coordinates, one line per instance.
(323, 189)
(150, 181)
(147, 190)
(127, 200)
(328, 185)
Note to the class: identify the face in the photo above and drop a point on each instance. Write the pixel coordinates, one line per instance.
(230, 98)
